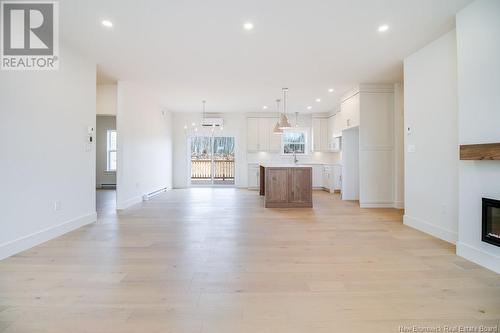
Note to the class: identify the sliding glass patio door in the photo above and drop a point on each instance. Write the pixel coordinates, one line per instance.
(212, 160)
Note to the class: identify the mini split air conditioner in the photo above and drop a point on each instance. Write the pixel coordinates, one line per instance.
(210, 122)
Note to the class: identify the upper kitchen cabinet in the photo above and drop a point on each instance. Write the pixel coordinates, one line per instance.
(253, 142)
(334, 133)
(274, 139)
(320, 132)
(337, 124)
(260, 135)
(349, 110)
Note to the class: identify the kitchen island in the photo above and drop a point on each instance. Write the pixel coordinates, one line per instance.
(286, 186)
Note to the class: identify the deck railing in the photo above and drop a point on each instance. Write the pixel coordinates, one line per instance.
(201, 169)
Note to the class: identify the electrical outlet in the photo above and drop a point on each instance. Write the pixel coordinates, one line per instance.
(412, 148)
(57, 206)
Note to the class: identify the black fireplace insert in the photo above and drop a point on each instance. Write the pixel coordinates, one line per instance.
(491, 221)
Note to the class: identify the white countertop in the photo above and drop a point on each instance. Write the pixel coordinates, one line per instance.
(277, 164)
(271, 165)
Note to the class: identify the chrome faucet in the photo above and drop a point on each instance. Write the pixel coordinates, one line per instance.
(295, 160)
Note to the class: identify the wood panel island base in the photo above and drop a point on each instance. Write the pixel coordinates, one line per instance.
(286, 186)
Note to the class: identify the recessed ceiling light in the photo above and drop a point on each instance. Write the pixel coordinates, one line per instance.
(309, 107)
(318, 100)
(331, 90)
(107, 23)
(248, 26)
(383, 28)
(264, 107)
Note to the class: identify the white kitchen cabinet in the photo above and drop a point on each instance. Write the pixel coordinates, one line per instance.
(350, 112)
(264, 134)
(332, 178)
(324, 134)
(253, 176)
(320, 134)
(336, 178)
(331, 124)
(335, 144)
(260, 135)
(327, 178)
(317, 173)
(253, 134)
(338, 124)
(334, 134)
(316, 134)
(274, 139)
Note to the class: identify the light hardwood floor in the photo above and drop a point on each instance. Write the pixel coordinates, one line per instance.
(214, 260)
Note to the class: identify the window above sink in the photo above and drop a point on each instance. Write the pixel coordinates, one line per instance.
(294, 141)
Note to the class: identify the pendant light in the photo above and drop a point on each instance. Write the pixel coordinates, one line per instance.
(277, 129)
(193, 131)
(284, 123)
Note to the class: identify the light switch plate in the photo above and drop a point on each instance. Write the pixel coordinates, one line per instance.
(412, 148)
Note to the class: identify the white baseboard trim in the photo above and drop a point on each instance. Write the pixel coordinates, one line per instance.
(376, 204)
(42, 236)
(129, 202)
(431, 229)
(399, 205)
(479, 257)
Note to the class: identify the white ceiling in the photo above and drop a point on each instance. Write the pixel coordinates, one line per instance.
(190, 50)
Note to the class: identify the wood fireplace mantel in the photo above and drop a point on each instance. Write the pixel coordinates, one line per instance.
(487, 151)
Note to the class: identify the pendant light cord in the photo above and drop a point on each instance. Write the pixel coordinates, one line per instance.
(285, 90)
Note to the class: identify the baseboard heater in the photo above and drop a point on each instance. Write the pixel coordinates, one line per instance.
(148, 196)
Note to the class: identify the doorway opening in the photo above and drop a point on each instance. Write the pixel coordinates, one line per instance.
(105, 164)
(212, 160)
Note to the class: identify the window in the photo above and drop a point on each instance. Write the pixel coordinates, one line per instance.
(294, 141)
(111, 150)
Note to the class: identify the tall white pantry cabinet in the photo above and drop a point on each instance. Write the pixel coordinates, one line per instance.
(370, 108)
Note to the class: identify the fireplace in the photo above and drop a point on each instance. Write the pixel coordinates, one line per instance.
(491, 221)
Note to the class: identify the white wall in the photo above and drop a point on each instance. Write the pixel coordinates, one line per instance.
(44, 117)
(106, 99)
(103, 176)
(144, 156)
(431, 172)
(478, 41)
